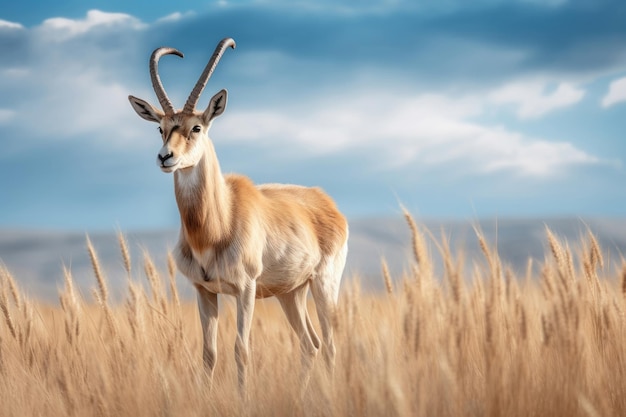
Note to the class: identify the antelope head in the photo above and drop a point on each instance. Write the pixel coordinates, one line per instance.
(184, 132)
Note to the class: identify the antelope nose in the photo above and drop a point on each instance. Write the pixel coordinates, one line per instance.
(165, 157)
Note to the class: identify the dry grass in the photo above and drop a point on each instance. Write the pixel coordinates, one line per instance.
(477, 342)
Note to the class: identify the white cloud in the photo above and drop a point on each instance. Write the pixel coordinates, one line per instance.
(5, 24)
(81, 104)
(532, 99)
(175, 17)
(15, 73)
(6, 115)
(60, 28)
(428, 130)
(87, 99)
(616, 93)
(78, 96)
(505, 150)
(73, 103)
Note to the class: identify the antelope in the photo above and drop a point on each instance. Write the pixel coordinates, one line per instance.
(244, 240)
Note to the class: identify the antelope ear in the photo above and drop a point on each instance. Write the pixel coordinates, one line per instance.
(145, 110)
(217, 105)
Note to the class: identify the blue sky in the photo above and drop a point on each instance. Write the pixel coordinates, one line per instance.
(490, 108)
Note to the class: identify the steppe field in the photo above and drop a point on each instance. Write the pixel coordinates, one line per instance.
(468, 337)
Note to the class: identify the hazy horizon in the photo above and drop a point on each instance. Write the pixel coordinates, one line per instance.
(36, 258)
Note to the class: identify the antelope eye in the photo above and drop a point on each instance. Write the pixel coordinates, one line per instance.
(196, 129)
(160, 130)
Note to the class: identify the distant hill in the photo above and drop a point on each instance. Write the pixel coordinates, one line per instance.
(36, 258)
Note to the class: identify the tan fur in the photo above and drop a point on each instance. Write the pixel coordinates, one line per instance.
(282, 238)
(234, 213)
(249, 241)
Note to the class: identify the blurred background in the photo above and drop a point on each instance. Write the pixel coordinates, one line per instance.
(508, 114)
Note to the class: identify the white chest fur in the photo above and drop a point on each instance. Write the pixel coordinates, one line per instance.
(221, 273)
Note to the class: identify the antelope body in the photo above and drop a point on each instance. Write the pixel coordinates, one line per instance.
(244, 240)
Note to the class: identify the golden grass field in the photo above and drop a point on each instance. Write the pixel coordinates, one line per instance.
(473, 340)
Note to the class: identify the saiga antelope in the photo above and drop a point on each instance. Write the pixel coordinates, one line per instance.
(245, 240)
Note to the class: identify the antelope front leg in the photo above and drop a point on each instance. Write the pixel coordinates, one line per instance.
(208, 308)
(245, 308)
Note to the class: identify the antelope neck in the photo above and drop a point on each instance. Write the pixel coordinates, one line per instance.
(204, 202)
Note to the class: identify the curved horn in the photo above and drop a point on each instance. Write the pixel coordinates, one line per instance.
(190, 105)
(166, 104)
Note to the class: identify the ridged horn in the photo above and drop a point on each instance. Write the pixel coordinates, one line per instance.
(166, 104)
(190, 105)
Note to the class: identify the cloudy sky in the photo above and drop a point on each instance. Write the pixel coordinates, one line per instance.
(481, 109)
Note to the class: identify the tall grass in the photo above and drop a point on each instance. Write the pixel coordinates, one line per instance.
(473, 339)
